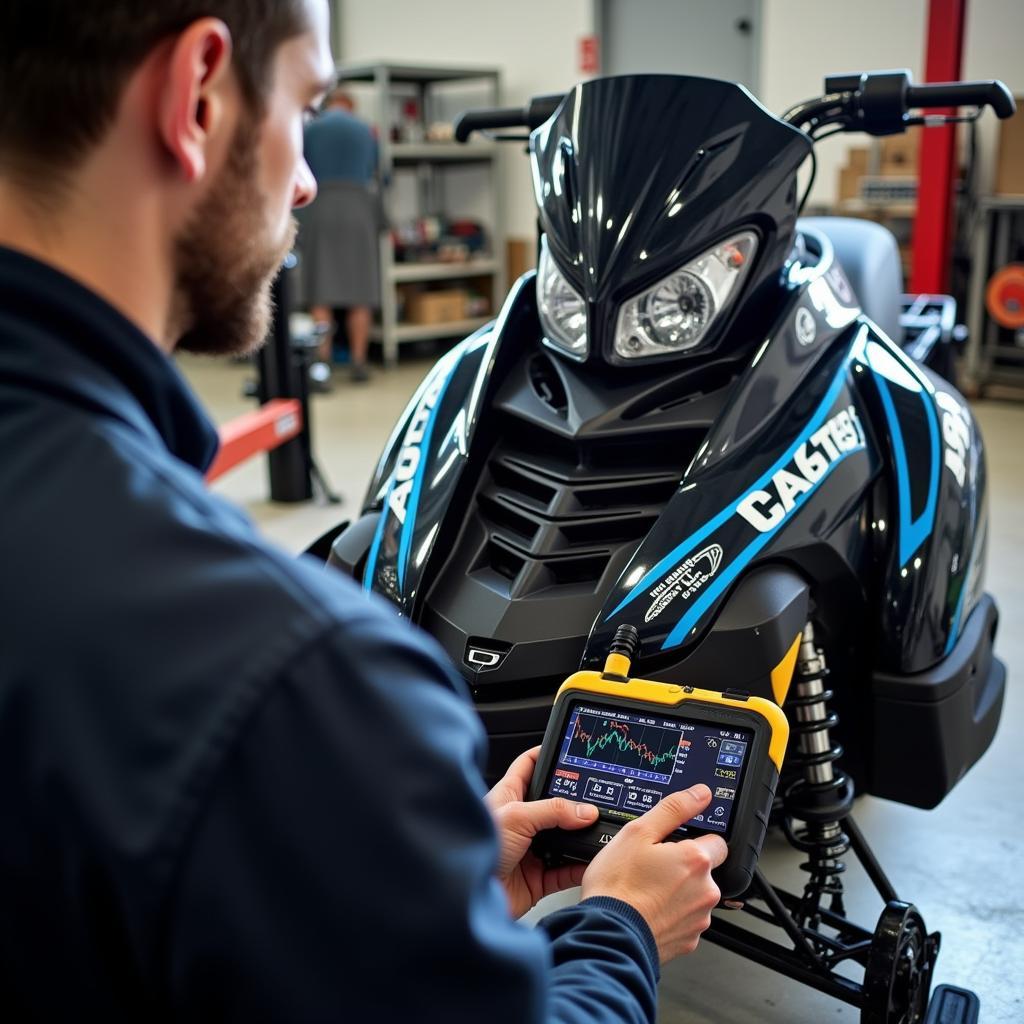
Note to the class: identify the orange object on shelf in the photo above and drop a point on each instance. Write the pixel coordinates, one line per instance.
(1004, 296)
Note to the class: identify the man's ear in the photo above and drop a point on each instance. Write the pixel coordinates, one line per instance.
(191, 105)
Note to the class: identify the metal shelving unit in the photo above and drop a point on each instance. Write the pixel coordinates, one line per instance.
(444, 271)
(453, 328)
(444, 152)
(999, 220)
(429, 161)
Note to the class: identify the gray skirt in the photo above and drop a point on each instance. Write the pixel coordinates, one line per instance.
(338, 247)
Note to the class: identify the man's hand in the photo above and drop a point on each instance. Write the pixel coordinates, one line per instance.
(670, 884)
(521, 872)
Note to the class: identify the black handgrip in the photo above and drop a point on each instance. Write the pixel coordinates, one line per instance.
(533, 115)
(498, 117)
(992, 94)
(542, 107)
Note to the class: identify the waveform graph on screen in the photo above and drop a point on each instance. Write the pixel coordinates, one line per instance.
(632, 748)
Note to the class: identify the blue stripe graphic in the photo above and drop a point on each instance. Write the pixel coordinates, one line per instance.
(912, 532)
(710, 593)
(371, 561)
(414, 495)
(708, 528)
(417, 483)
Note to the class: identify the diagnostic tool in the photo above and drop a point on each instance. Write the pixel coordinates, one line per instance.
(622, 744)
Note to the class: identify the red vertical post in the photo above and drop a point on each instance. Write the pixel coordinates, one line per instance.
(936, 174)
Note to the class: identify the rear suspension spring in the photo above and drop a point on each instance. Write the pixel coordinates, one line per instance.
(816, 803)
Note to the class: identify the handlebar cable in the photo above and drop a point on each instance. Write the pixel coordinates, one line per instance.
(833, 111)
(937, 120)
(820, 111)
(814, 167)
(810, 183)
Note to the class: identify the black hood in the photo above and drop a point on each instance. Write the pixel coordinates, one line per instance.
(637, 174)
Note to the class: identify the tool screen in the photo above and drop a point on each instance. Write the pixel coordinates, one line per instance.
(625, 761)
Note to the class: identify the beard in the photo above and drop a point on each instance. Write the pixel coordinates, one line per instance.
(225, 262)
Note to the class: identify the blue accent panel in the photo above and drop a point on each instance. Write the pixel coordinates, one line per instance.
(738, 564)
(912, 532)
(683, 548)
(408, 527)
(378, 536)
(414, 496)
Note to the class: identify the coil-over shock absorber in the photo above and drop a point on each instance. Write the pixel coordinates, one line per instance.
(822, 796)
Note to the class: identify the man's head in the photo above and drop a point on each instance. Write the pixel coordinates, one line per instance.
(199, 106)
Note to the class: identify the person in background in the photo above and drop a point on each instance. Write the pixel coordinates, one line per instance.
(338, 234)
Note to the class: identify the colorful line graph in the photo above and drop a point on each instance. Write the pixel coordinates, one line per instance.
(621, 744)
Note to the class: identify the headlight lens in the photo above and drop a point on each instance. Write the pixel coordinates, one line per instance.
(675, 314)
(563, 313)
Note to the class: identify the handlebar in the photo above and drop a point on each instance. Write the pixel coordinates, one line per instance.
(533, 115)
(476, 120)
(878, 102)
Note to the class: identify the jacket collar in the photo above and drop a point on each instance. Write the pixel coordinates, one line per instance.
(59, 337)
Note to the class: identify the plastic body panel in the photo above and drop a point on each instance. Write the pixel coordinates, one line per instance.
(870, 258)
(764, 614)
(937, 504)
(931, 726)
(756, 792)
(423, 461)
(350, 548)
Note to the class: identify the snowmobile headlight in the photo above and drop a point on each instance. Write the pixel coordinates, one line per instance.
(674, 315)
(563, 314)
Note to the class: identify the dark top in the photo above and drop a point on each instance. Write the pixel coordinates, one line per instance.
(340, 147)
(232, 788)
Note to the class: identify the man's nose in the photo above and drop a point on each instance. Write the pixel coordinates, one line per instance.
(305, 186)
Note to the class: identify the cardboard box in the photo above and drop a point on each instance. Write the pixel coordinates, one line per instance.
(1010, 160)
(519, 257)
(899, 152)
(849, 182)
(438, 307)
(858, 158)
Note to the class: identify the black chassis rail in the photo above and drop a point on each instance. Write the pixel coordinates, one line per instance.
(813, 956)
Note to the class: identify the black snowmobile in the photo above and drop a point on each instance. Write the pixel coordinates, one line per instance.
(693, 418)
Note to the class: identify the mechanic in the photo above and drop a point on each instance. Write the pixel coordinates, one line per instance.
(232, 787)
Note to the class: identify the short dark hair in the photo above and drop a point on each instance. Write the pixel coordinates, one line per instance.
(64, 64)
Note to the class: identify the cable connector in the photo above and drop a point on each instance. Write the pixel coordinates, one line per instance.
(621, 653)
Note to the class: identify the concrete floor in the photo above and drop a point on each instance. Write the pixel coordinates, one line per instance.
(958, 863)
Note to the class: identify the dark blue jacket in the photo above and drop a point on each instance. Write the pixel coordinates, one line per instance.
(232, 788)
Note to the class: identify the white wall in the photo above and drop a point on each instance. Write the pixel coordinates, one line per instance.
(534, 43)
(994, 48)
(803, 40)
